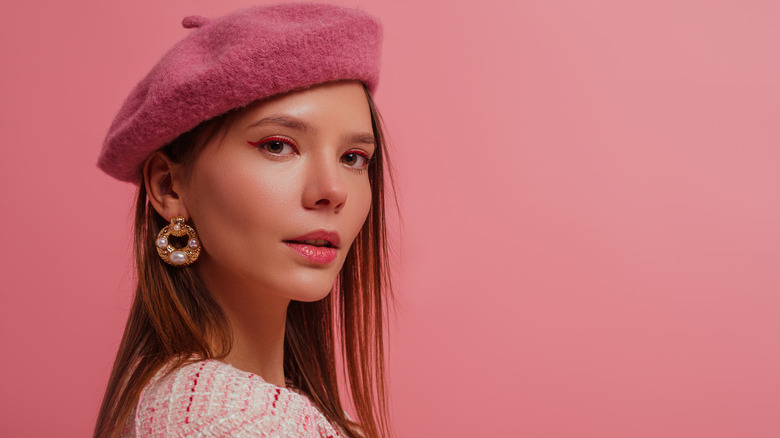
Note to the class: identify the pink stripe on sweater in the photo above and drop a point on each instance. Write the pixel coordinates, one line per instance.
(192, 394)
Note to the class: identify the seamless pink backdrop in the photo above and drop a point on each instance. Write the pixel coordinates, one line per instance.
(589, 195)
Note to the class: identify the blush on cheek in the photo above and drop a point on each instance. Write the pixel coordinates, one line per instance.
(242, 188)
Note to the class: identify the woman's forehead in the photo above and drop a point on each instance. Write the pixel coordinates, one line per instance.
(342, 103)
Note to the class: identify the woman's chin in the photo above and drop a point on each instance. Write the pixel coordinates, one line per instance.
(313, 293)
(309, 289)
(311, 297)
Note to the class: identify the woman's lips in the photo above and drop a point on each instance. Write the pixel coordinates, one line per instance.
(317, 247)
(315, 254)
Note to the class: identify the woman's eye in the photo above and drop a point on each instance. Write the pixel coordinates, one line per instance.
(275, 145)
(355, 159)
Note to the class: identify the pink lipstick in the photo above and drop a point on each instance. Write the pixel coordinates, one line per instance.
(317, 247)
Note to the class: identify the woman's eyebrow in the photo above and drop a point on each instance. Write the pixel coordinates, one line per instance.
(287, 122)
(360, 138)
(303, 126)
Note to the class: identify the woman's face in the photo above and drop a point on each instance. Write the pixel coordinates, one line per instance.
(278, 201)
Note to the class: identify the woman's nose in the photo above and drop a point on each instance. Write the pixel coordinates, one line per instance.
(325, 188)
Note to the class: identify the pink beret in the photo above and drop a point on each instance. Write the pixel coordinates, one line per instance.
(235, 60)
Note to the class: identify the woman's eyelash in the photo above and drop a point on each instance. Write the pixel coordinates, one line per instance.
(275, 145)
(275, 142)
(358, 153)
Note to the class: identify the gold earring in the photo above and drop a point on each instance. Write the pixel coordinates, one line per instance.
(180, 257)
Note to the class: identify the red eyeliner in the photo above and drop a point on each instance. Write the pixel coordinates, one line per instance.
(269, 139)
(359, 152)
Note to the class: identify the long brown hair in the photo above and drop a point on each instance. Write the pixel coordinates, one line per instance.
(174, 317)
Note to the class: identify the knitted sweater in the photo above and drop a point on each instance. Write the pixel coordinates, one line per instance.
(212, 399)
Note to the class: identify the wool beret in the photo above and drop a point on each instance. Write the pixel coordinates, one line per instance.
(232, 61)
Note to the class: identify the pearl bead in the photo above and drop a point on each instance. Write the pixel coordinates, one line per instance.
(178, 257)
(193, 243)
(177, 227)
(162, 243)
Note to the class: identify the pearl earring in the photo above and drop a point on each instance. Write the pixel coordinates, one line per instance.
(178, 256)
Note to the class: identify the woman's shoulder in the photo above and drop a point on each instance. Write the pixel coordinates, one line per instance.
(206, 384)
(211, 398)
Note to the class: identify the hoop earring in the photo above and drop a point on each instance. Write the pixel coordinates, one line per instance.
(171, 255)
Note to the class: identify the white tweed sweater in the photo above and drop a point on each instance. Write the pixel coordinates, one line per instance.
(212, 399)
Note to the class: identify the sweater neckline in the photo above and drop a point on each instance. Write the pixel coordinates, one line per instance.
(291, 390)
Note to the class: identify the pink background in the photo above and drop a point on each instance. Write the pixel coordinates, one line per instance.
(590, 198)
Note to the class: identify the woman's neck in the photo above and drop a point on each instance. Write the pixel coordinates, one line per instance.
(257, 321)
(258, 342)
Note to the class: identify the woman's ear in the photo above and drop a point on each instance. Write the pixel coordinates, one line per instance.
(159, 174)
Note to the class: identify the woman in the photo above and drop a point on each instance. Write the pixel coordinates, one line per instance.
(259, 232)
